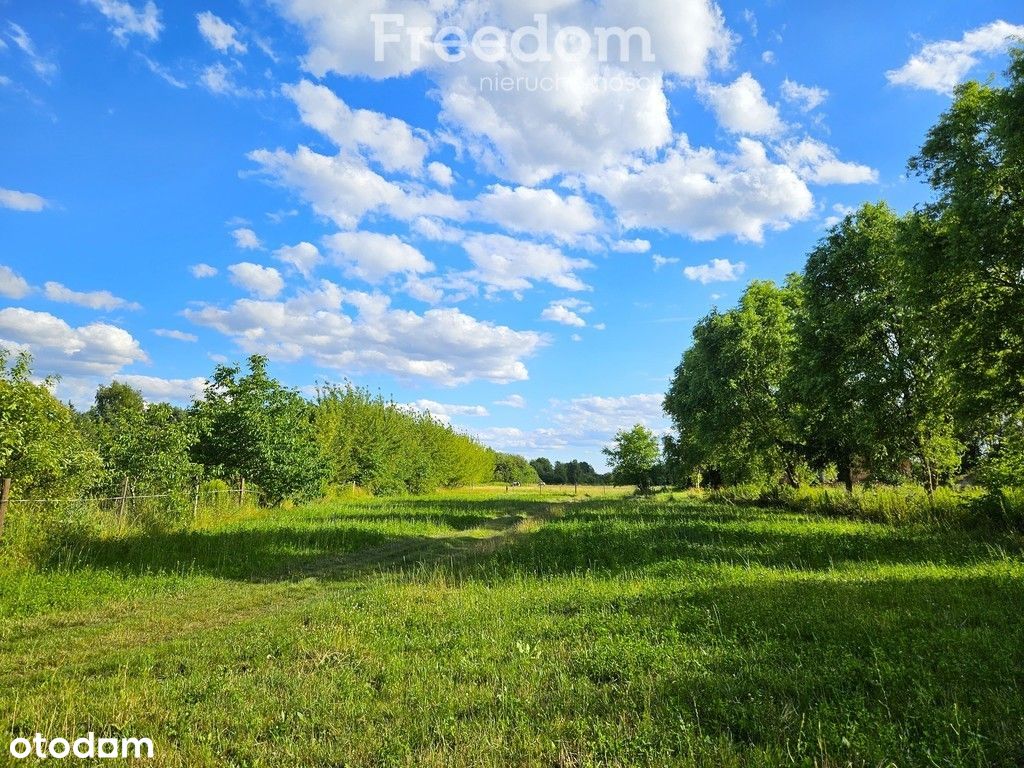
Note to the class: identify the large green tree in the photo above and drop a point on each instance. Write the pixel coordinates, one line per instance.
(252, 427)
(728, 399)
(633, 457)
(872, 393)
(969, 268)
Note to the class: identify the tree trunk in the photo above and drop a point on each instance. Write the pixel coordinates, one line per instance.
(847, 470)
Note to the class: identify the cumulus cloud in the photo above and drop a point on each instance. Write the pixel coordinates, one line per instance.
(441, 174)
(816, 162)
(538, 212)
(264, 282)
(742, 107)
(805, 97)
(104, 300)
(387, 140)
(373, 257)
(631, 246)
(445, 412)
(126, 20)
(343, 188)
(716, 271)
(663, 261)
(158, 390)
(202, 271)
(219, 34)
(246, 239)
(22, 201)
(13, 285)
(705, 194)
(567, 312)
(941, 66)
(445, 346)
(97, 349)
(504, 264)
(303, 257)
(218, 79)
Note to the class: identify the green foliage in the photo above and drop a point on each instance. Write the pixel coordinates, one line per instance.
(41, 448)
(511, 469)
(728, 399)
(567, 473)
(252, 427)
(391, 450)
(634, 457)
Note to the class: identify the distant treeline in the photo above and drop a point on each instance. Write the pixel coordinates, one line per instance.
(246, 427)
(897, 355)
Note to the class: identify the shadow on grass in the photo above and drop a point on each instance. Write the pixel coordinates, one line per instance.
(605, 536)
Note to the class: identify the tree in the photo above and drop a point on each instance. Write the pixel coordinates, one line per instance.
(252, 427)
(41, 448)
(729, 399)
(147, 446)
(511, 469)
(634, 457)
(872, 395)
(969, 270)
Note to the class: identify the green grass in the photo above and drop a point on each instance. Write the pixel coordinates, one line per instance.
(524, 629)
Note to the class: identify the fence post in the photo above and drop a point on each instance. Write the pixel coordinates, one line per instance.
(241, 491)
(124, 500)
(195, 503)
(5, 497)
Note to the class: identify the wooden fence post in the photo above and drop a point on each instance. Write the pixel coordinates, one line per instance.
(241, 491)
(5, 497)
(124, 500)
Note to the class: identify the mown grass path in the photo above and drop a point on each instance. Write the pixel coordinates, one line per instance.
(513, 631)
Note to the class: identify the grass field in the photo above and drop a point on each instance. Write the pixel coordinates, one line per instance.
(525, 629)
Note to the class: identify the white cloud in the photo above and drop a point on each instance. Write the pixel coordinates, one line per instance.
(345, 190)
(806, 97)
(768, 57)
(942, 65)
(537, 211)
(158, 390)
(559, 312)
(437, 231)
(705, 194)
(162, 72)
(246, 239)
(716, 271)
(264, 282)
(202, 271)
(503, 263)
(387, 140)
(441, 174)
(22, 201)
(303, 257)
(445, 411)
(218, 33)
(104, 300)
(631, 246)
(662, 261)
(176, 335)
(742, 107)
(13, 285)
(512, 401)
(41, 65)
(218, 79)
(817, 163)
(442, 345)
(372, 257)
(839, 212)
(127, 20)
(97, 349)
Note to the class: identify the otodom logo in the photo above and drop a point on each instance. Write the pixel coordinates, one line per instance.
(86, 747)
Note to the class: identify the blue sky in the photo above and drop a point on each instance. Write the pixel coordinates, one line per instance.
(184, 184)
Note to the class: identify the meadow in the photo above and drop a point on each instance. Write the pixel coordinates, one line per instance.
(524, 629)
